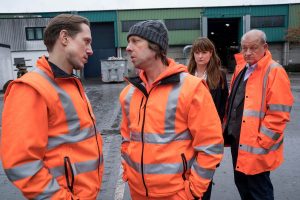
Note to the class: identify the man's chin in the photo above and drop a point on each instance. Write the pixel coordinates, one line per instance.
(249, 61)
(137, 67)
(78, 67)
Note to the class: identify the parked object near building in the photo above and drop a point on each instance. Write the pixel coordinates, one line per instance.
(20, 64)
(114, 69)
(6, 69)
(186, 53)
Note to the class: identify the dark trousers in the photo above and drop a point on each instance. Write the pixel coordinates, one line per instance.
(251, 187)
(254, 187)
(207, 194)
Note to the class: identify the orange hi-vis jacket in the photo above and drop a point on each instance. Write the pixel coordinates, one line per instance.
(50, 146)
(171, 134)
(267, 106)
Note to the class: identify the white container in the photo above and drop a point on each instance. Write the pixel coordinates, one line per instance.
(113, 70)
(6, 68)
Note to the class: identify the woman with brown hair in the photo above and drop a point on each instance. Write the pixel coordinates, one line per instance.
(205, 63)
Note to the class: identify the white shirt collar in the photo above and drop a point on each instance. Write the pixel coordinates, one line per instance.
(251, 66)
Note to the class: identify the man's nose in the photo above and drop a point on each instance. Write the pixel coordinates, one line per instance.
(248, 51)
(128, 48)
(90, 51)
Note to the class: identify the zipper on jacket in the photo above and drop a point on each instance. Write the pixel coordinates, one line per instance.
(142, 156)
(143, 144)
(140, 110)
(95, 129)
(137, 83)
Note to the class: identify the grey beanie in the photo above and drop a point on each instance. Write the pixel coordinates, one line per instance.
(152, 30)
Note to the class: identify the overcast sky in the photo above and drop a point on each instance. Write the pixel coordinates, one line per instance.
(27, 6)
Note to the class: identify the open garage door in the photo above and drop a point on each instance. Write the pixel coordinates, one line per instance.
(224, 32)
(103, 45)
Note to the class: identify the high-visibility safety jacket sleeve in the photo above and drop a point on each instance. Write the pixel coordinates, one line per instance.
(24, 142)
(125, 133)
(205, 127)
(279, 100)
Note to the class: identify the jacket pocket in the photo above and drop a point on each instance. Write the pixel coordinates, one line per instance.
(69, 173)
(184, 164)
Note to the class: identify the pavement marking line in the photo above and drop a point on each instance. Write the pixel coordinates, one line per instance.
(120, 187)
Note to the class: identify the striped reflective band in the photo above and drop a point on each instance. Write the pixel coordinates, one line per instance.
(127, 103)
(202, 172)
(264, 90)
(125, 139)
(165, 138)
(273, 107)
(264, 130)
(211, 149)
(253, 113)
(74, 133)
(172, 105)
(72, 137)
(78, 167)
(260, 150)
(163, 168)
(280, 107)
(169, 134)
(49, 191)
(24, 171)
(29, 170)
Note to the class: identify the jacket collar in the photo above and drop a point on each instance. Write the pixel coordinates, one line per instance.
(138, 83)
(172, 68)
(52, 69)
(174, 78)
(57, 72)
(241, 63)
(171, 75)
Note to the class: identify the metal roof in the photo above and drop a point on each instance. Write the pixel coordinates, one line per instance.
(32, 6)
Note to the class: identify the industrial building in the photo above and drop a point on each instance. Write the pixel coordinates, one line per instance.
(223, 23)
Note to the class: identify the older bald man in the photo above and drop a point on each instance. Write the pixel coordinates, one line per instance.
(258, 109)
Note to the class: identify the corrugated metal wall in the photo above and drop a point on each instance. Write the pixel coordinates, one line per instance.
(12, 23)
(178, 37)
(13, 33)
(274, 34)
(276, 49)
(294, 57)
(294, 16)
(100, 16)
(294, 22)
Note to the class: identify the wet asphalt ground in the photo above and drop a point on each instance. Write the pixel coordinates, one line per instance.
(104, 99)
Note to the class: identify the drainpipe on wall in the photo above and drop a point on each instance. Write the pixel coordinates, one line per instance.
(119, 52)
(246, 23)
(204, 26)
(286, 53)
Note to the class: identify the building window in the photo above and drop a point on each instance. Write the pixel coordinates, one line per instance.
(127, 24)
(267, 21)
(183, 24)
(34, 33)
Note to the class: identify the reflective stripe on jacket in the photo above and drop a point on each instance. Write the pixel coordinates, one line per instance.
(52, 139)
(170, 133)
(268, 102)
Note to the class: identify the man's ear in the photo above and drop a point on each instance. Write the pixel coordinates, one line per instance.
(266, 46)
(64, 37)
